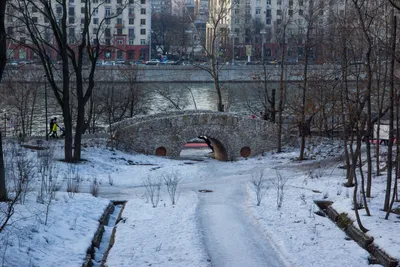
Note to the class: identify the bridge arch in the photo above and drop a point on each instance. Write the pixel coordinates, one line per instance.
(165, 134)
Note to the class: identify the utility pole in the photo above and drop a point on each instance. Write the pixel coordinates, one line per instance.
(233, 47)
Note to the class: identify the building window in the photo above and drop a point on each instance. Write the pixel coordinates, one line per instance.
(119, 1)
(142, 21)
(131, 41)
(268, 21)
(237, 11)
(268, 2)
(107, 12)
(301, 3)
(83, 10)
(120, 42)
(258, 11)
(119, 21)
(143, 2)
(131, 54)
(71, 11)
(34, 19)
(143, 31)
(279, 3)
(119, 11)
(131, 21)
(142, 11)
(107, 54)
(119, 31)
(71, 1)
(290, 12)
(301, 12)
(108, 1)
(95, 11)
(95, 30)
(108, 41)
(107, 21)
(237, 21)
(95, 20)
(268, 13)
(34, 9)
(279, 12)
(46, 20)
(119, 54)
(107, 32)
(131, 11)
(290, 3)
(71, 20)
(131, 2)
(131, 33)
(82, 20)
(258, 2)
(142, 41)
(95, 1)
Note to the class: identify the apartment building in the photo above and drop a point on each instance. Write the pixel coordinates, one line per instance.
(251, 24)
(123, 27)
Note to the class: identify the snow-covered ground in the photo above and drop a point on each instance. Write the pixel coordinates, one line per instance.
(222, 227)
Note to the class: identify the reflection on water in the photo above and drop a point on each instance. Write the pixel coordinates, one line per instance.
(236, 97)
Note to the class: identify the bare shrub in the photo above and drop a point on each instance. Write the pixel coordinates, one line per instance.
(21, 170)
(94, 187)
(260, 186)
(48, 172)
(73, 180)
(153, 187)
(280, 183)
(172, 180)
(110, 180)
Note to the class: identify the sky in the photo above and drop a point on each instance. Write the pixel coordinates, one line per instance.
(215, 220)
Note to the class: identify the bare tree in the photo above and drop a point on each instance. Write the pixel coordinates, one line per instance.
(74, 51)
(214, 45)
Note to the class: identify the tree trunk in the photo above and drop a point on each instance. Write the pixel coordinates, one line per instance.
(281, 94)
(304, 97)
(3, 58)
(391, 119)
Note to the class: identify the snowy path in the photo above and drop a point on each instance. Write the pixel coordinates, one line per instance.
(230, 237)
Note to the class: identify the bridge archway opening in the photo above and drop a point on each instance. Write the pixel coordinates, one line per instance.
(204, 147)
(196, 148)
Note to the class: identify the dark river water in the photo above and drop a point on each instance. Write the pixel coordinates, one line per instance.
(150, 98)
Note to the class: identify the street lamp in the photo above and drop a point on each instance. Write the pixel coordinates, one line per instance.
(233, 47)
(262, 44)
(189, 32)
(150, 45)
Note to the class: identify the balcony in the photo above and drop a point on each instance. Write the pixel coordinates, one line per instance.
(120, 25)
(131, 15)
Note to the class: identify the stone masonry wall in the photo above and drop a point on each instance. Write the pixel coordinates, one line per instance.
(172, 130)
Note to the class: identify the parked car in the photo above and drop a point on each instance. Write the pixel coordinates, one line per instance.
(108, 63)
(169, 62)
(153, 62)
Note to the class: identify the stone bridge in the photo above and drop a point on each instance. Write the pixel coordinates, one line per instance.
(165, 134)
